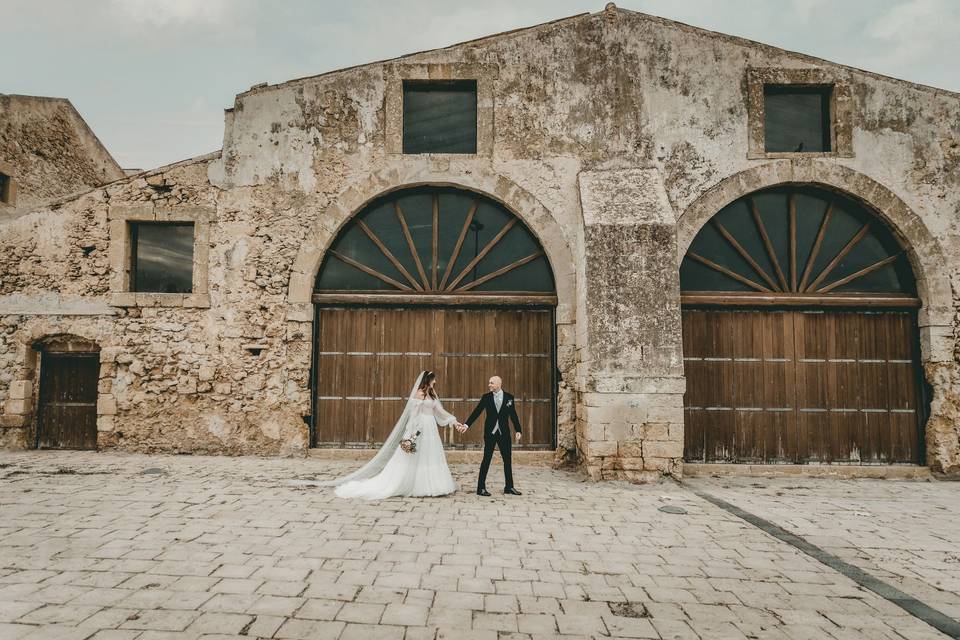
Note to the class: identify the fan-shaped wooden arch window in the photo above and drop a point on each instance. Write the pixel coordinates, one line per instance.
(435, 241)
(796, 244)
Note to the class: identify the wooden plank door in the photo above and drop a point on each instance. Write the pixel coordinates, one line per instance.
(367, 358)
(857, 391)
(779, 386)
(517, 345)
(67, 413)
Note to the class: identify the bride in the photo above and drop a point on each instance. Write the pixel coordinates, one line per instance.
(394, 471)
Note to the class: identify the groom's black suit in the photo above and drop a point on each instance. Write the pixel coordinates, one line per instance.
(507, 413)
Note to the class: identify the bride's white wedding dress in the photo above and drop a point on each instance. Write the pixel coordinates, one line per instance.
(423, 472)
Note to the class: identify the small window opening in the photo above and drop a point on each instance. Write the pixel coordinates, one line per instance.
(797, 118)
(440, 116)
(4, 188)
(161, 257)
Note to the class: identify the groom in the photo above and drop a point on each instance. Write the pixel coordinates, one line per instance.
(496, 432)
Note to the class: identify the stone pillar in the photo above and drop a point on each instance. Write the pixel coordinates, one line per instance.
(630, 411)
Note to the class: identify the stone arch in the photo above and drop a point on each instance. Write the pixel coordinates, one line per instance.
(923, 250)
(516, 199)
(30, 341)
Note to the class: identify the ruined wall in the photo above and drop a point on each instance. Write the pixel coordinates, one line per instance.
(605, 132)
(50, 151)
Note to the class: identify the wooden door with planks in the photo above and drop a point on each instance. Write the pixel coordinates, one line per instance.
(367, 358)
(801, 386)
(67, 412)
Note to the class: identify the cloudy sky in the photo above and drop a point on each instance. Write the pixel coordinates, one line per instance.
(152, 77)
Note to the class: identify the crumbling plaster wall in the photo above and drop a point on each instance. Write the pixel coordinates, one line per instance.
(591, 100)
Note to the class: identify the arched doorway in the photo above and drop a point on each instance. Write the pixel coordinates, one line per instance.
(438, 278)
(800, 335)
(67, 397)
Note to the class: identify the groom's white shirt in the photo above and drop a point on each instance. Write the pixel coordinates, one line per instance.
(498, 401)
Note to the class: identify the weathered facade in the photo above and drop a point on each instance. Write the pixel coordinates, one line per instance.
(614, 138)
(49, 152)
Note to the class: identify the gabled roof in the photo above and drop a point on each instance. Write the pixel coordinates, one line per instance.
(610, 11)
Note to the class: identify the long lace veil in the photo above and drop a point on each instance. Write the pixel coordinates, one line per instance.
(379, 461)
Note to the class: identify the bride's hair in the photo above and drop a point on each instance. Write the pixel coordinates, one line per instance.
(428, 377)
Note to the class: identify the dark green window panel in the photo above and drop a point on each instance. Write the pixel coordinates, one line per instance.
(480, 247)
(440, 117)
(796, 119)
(840, 247)
(162, 257)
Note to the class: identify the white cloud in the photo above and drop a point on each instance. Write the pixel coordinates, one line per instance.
(160, 13)
(916, 29)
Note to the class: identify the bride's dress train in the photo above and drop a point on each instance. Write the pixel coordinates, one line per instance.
(421, 473)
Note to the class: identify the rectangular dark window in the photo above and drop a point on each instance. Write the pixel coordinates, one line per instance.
(162, 257)
(796, 118)
(4, 187)
(440, 117)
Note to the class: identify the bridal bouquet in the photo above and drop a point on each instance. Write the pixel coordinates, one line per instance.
(410, 444)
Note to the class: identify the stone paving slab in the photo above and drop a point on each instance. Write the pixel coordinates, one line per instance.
(136, 547)
(906, 533)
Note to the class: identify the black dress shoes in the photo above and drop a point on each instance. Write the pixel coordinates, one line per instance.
(483, 492)
(512, 492)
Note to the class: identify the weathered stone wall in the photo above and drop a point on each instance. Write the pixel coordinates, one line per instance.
(614, 136)
(50, 151)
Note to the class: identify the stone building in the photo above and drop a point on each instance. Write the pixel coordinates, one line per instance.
(671, 243)
(47, 152)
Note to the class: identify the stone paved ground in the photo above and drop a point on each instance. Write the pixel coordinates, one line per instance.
(117, 547)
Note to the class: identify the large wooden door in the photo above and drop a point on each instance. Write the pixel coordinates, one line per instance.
(67, 415)
(767, 386)
(368, 358)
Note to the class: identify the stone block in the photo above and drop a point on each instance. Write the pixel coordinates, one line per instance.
(652, 431)
(13, 420)
(663, 465)
(666, 413)
(669, 449)
(616, 431)
(21, 389)
(18, 406)
(630, 449)
(599, 449)
(594, 431)
(106, 405)
(110, 354)
(206, 373)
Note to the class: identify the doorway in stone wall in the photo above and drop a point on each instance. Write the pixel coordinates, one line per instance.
(438, 278)
(800, 337)
(67, 402)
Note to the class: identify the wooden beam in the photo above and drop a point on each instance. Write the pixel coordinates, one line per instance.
(413, 249)
(483, 253)
(435, 299)
(457, 247)
(792, 211)
(362, 267)
(743, 253)
(841, 255)
(727, 272)
(389, 254)
(499, 272)
(859, 274)
(821, 233)
(436, 241)
(797, 300)
(766, 242)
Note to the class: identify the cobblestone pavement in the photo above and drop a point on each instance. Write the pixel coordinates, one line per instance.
(117, 547)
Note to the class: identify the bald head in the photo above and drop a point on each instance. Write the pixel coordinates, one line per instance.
(495, 384)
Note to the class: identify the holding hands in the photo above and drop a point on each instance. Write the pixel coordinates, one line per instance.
(459, 426)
